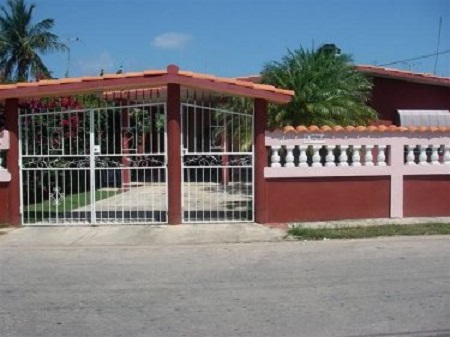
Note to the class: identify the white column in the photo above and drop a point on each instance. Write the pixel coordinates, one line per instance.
(381, 156)
(343, 158)
(356, 157)
(446, 157)
(303, 158)
(410, 156)
(368, 159)
(330, 156)
(423, 155)
(275, 158)
(290, 156)
(316, 156)
(434, 155)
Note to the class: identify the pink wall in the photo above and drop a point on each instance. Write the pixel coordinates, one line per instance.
(388, 95)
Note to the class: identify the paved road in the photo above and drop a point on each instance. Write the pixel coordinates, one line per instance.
(382, 287)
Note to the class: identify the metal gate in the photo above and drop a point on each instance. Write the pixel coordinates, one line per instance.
(94, 162)
(217, 164)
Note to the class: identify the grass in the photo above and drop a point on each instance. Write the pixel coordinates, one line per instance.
(3, 225)
(358, 232)
(70, 202)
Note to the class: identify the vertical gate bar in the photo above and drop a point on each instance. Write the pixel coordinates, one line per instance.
(21, 179)
(92, 165)
(42, 174)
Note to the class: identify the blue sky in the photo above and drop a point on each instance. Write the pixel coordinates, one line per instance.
(237, 37)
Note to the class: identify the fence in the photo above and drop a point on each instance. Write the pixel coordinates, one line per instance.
(400, 168)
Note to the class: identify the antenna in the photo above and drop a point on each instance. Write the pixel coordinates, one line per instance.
(69, 41)
(438, 43)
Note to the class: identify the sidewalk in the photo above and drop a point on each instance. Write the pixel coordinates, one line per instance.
(140, 235)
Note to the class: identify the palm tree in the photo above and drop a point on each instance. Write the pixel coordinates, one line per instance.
(22, 42)
(328, 89)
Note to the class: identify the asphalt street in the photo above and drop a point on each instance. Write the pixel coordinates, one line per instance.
(371, 288)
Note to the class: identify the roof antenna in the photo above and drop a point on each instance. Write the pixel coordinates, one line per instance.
(437, 48)
(69, 41)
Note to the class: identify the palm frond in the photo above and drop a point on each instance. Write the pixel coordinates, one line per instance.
(329, 89)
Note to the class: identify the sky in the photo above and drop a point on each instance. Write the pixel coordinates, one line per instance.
(238, 37)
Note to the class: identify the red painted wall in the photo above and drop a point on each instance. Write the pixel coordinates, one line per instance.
(426, 196)
(4, 202)
(316, 199)
(388, 95)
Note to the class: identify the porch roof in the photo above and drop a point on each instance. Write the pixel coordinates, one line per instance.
(145, 79)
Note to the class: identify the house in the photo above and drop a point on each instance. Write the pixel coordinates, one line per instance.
(395, 90)
(159, 148)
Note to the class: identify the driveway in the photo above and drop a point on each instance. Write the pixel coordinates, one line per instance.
(382, 287)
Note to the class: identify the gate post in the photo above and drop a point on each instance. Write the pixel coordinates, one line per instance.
(12, 159)
(174, 153)
(260, 122)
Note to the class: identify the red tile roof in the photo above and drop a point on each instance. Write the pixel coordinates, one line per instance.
(372, 128)
(404, 75)
(145, 79)
(383, 72)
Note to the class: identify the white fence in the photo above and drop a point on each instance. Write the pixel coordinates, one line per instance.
(345, 154)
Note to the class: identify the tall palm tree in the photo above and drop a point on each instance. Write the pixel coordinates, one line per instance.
(22, 42)
(328, 89)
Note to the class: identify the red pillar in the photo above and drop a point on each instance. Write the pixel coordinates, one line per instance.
(174, 153)
(12, 159)
(260, 122)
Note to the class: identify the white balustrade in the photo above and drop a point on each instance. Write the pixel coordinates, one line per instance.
(275, 158)
(368, 158)
(434, 154)
(366, 155)
(423, 155)
(410, 157)
(4, 145)
(316, 156)
(330, 156)
(290, 156)
(303, 158)
(343, 158)
(381, 156)
(356, 156)
(446, 156)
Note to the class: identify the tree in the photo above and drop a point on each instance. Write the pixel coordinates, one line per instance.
(22, 42)
(328, 89)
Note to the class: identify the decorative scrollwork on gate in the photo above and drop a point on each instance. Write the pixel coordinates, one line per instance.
(147, 161)
(218, 160)
(57, 197)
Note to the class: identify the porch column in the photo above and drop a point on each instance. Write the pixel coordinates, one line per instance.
(12, 159)
(260, 122)
(174, 153)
